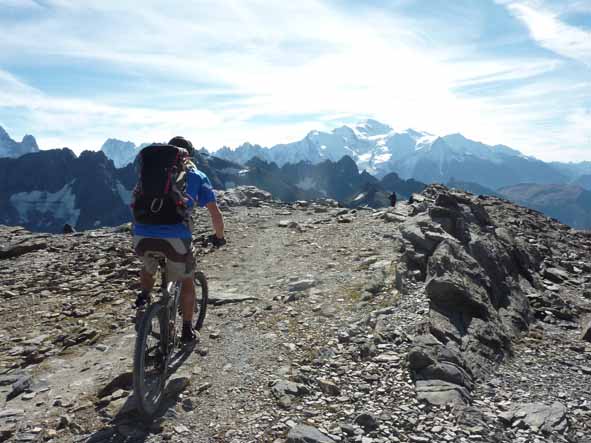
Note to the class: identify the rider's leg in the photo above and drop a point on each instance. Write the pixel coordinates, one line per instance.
(146, 280)
(189, 335)
(188, 298)
(146, 284)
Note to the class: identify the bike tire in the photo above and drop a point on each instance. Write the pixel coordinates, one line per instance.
(201, 297)
(148, 401)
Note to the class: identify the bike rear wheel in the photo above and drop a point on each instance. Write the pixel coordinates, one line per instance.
(149, 361)
(201, 294)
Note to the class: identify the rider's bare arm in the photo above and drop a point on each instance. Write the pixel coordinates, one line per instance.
(217, 219)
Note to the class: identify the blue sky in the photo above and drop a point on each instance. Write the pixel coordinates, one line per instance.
(516, 72)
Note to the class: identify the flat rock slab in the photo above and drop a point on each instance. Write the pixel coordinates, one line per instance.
(22, 247)
(220, 298)
(285, 387)
(23, 383)
(438, 392)
(301, 285)
(556, 275)
(539, 416)
(5, 413)
(9, 379)
(393, 217)
(307, 434)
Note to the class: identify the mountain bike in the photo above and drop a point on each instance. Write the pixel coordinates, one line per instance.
(157, 338)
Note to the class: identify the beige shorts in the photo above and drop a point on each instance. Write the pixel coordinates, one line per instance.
(180, 263)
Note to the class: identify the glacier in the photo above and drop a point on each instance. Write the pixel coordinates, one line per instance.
(61, 205)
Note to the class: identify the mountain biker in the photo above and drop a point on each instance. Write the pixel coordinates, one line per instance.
(393, 199)
(174, 241)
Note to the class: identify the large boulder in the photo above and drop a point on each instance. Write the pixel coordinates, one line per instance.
(22, 246)
(479, 275)
(538, 417)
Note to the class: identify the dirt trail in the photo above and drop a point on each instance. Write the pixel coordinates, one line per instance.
(222, 390)
(305, 328)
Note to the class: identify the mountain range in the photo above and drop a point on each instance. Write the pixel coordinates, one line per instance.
(379, 150)
(45, 190)
(358, 166)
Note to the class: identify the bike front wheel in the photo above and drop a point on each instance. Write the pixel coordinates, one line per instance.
(201, 294)
(149, 362)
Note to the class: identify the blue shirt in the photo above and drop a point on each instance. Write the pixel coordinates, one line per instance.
(199, 190)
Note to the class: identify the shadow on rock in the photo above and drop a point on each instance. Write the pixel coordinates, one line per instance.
(120, 404)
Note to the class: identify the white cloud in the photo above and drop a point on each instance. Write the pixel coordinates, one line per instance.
(546, 27)
(14, 92)
(274, 60)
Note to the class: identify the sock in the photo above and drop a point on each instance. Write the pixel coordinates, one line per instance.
(187, 324)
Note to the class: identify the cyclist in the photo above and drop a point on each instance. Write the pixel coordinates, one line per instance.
(174, 241)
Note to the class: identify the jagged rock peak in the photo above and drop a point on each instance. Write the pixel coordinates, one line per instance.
(4, 135)
(30, 143)
(371, 127)
(12, 148)
(121, 152)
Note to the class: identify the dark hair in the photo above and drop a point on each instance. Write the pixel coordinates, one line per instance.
(182, 142)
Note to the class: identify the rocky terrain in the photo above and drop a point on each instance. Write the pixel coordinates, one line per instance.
(449, 318)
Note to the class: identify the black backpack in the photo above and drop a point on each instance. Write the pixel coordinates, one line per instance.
(159, 198)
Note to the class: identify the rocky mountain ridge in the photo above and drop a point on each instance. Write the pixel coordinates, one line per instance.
(45, 190)
(89, 191)
(453, 318)
(487, 275)
(13, 149)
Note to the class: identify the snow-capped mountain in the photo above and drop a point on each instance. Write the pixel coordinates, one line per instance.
(364, 144)
(379, 149)
(13, 149)
(121, 152)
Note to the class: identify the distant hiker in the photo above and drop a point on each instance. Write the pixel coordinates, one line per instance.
(169, 187)
(68, 229)
(393, 199)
